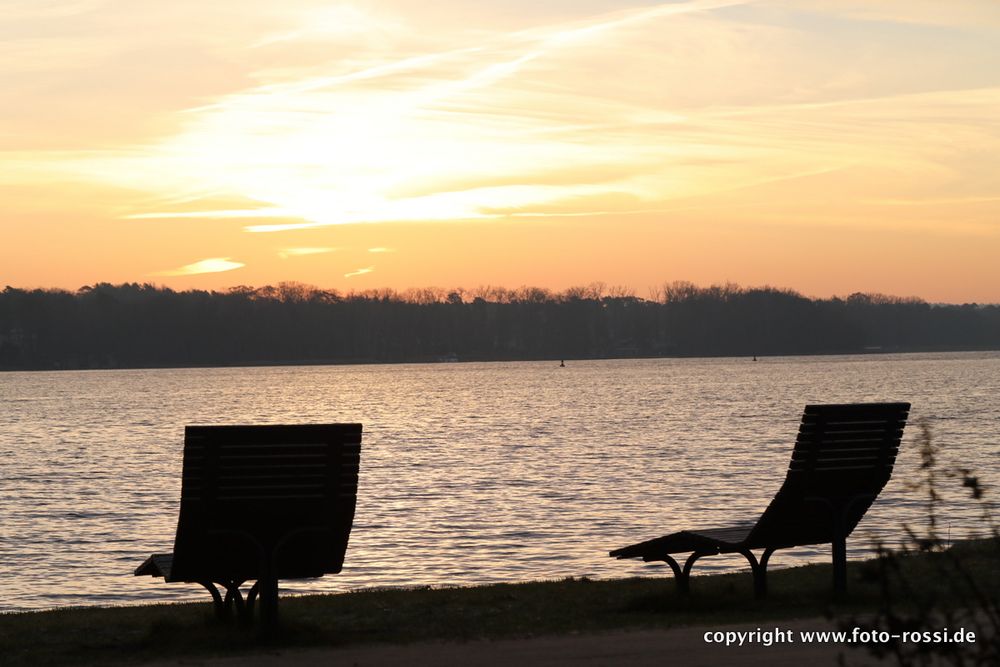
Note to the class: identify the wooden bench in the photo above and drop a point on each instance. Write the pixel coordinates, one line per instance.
(261, 503)
(842, 459)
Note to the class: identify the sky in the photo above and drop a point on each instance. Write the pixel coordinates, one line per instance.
(828, 146)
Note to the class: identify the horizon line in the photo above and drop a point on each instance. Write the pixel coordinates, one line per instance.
(603, 290)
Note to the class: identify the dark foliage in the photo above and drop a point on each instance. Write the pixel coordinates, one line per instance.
(927, 603)
(133, 325)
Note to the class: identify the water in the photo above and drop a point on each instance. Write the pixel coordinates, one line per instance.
(471, 473)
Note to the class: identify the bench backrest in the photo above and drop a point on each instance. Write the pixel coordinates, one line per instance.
(842, 459)
(255, 495)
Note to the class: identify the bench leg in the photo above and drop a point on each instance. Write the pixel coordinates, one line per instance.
(268, 603)
(220, 607)
(679, 578)
(251, 599)
(839, 550)
(759, 570)
(764, 558)
(682, 576)
(688, 564)
(234, 598)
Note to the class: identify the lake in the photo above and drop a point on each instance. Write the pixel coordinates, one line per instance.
(470, 472)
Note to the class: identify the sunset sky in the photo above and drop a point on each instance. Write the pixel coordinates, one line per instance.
(829, 146)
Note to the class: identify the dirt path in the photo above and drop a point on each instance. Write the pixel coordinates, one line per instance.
(680, 646)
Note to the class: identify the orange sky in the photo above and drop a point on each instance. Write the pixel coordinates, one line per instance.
(830, 146)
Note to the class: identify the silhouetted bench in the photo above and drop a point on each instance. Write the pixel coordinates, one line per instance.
(262, 503)
(842, 459)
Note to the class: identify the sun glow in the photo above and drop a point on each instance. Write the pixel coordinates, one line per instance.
(444, 136)
(635, 142)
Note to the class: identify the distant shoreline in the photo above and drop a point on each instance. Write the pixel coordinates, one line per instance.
(499, 360)
(555, 360)
(142, 326)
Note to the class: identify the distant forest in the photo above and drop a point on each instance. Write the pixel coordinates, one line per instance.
(133, 325)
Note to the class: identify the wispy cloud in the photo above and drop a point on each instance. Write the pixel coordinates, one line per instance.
(330, 22)
(518, 124)
(32, 9)
(708, 113)
(285, 253)
(359, 272)
(381, 249)
(528, 121)
(220, 214)
(210, 265)
(333, 149)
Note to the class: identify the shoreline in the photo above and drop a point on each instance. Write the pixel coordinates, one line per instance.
(305, 363)
(522, 615)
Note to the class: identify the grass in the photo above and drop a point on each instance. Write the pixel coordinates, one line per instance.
(135, 634)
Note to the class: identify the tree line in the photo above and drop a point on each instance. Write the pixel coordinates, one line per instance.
(142, 325)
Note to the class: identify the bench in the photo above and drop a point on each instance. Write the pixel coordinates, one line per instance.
(842, 459)
(261, 503)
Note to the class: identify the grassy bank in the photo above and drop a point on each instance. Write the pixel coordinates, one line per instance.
(134, 634)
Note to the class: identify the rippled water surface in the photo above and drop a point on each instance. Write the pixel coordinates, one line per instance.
(477, 472)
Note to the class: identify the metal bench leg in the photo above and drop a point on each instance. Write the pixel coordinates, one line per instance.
(679, 577)
(682, 576)
(268, 603)
(684, 581)
(251, 599)
(839, 550)
(220, 607)
(761, 588)
(838, 544)
(759, 570)
(234, 597)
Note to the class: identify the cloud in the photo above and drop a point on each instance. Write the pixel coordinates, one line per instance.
(23, 10)
(380, 249)
(285, 253)
(587, 112)
(327, 23)
(212, 214)
(332, 148)
(927, 12)
(282, 227)
(210, 265)
(359, 272)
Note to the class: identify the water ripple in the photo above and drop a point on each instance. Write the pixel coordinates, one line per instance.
(471, 473)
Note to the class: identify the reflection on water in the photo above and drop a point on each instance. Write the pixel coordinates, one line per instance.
(471, 473)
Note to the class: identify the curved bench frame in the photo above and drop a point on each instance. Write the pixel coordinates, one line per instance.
(758, 567)
(842, 459)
